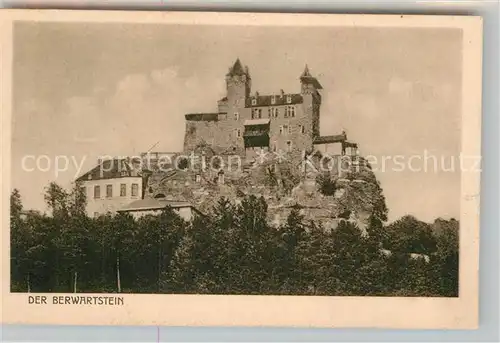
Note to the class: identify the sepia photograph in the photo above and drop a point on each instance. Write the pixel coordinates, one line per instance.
(280, 162)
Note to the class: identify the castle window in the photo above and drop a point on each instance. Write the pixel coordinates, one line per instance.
(236, 116)
(285, 129)
(289, 145)
(288, 99)
(281, 129)
(289, 111)
(97, 192)
(290, 130)
(273, 99)
(89, 177)
(135, 189)
(274, 147)
(109, 191)
(198, 178)
(220, 178)
(237, 133)
(123, 190)
(302, 129)
(257, 113)
(254, 102)
(276, 112)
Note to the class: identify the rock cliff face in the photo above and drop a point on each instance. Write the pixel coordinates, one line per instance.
(324, 190)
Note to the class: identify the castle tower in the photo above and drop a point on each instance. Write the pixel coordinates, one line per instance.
(309, 84)
(238, 83)
(312, 98)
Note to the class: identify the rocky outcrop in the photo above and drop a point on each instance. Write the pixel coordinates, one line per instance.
(354, 190)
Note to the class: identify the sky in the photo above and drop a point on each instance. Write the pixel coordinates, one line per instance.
(85, 90)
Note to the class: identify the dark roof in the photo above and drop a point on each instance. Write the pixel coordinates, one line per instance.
(330, 139)
(306, 77)
(109, 169)
(202, 116)
(311, 80)
(237, 69)
(265, 100)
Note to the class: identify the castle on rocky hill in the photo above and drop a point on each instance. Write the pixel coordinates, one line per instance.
(247, 122)
(255, 144)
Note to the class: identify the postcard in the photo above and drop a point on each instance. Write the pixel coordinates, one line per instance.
(240, 169)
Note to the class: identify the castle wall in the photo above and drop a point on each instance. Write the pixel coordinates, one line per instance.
(295, 130)
(221, 133)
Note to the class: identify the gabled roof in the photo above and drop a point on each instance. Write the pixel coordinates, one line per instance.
(110, 169)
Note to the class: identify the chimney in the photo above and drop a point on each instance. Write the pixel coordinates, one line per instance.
(256, 94)
(282, 93)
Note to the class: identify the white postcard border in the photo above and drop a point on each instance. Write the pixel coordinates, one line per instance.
(278, 311)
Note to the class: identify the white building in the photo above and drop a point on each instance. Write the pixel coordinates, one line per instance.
(143, 207)
(111, 185)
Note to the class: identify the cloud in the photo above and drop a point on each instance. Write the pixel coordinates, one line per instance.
(141, 110)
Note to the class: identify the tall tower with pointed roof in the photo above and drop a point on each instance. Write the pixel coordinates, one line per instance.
(309, 88)
(238, 82)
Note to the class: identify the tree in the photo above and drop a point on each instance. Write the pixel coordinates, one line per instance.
(285, 261)
(410, 235)
(447, 256)
(327, 186)
(121, 240)
(77, 201)
(16, 206)
(18, 245)
(254, 233)
(230, 250)
(315, 258)
(349, 256)
(57, 200)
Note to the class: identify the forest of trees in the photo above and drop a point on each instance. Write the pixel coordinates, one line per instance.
(232, 250)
